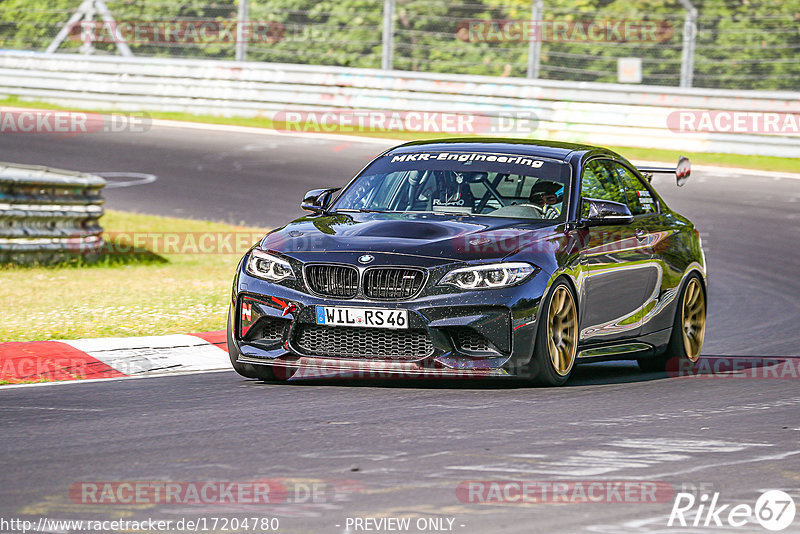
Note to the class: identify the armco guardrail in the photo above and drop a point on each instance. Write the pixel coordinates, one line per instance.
(48, 215)
(606, 114)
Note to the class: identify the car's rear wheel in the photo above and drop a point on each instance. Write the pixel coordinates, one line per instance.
(556, 343)
(688, 329)
(261, 372)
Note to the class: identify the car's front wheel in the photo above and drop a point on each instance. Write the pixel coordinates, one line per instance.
(556, 343)
(688, 330)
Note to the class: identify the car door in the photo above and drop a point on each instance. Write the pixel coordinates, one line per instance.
(615, 264)
(651, 229)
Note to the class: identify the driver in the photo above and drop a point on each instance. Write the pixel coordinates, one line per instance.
(544, 197)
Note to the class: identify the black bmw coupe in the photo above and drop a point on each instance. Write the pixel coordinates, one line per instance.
(464, 257)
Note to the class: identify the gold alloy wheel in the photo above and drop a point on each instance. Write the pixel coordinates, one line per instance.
(562, 331)
(693, 319)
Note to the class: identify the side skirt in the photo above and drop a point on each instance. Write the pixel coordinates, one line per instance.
(646, 346)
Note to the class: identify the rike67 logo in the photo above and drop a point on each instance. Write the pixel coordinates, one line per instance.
(774, 510)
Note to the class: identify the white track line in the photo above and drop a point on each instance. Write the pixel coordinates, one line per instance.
(139, 178)
(387, 142)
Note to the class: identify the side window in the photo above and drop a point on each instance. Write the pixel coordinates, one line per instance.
(640, 201)
(599, 181)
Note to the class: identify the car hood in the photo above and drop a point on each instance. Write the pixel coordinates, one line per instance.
(434, 236)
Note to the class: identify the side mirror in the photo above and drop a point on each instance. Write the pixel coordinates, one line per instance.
(683, 170)
(317, 200)
(606, 212)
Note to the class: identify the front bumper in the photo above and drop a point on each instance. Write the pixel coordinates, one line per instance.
(450, 334)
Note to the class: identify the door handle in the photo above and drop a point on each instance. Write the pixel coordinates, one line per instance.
(641, 235)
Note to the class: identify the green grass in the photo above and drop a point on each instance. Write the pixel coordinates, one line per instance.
(760, 163)
(141, 291)
(37, 381)
(764, 163)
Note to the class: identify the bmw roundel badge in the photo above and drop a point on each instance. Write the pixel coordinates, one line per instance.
(366, 258)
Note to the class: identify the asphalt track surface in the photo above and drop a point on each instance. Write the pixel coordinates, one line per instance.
(401, 449)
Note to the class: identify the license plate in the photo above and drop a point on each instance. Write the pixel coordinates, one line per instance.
(364, 317)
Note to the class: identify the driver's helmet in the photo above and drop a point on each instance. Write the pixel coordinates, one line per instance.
(544, 188)
(546, 197)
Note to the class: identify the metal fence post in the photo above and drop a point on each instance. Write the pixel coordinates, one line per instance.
(387, 43)
(535, 41)
(241, 34)
(86, 11)
(689, 41)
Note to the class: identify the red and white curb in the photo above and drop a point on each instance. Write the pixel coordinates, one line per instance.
(115, 357)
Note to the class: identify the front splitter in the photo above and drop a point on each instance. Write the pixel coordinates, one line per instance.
(309, 368)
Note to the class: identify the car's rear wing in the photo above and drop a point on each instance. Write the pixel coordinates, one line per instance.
(682, 171)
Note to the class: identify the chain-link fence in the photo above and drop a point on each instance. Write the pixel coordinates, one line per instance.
(736, 44)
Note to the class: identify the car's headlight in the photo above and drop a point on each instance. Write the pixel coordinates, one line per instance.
(488, 276)
(266, 266)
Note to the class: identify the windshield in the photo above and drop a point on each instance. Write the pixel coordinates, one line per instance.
(468, 183)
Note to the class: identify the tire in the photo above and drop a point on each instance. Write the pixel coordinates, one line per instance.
(556, 345)
(260, 372)
(688, 330)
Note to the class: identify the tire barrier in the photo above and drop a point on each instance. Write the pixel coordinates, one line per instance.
(48, 215)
